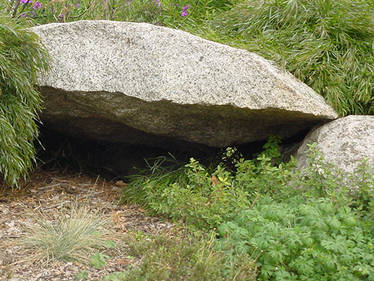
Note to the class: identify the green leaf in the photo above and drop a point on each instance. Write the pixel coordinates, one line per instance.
(116, 276)
(98, 260)
(109, 244)
(82, 275)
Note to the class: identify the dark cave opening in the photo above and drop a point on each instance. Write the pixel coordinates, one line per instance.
(118, 161)
(57, 151)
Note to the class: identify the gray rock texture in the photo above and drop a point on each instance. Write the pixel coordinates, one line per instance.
(344, 142)
(140, 83)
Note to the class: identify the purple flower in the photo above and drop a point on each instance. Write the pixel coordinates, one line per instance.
(158, 2)
(184, 12)
(77, 5)
(37, 5)
(26, 1)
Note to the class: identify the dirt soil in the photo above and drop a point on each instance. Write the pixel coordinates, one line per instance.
(49, 193)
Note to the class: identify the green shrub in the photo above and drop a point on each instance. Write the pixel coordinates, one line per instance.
(315, 224)
(266, 174)
(205, 198)
(184, 256)
(302, 240)
(21, 57)
(328, 44)
(190, 194)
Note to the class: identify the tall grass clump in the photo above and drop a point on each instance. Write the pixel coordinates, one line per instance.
(328, 44)
(73, 236)
(21, 58)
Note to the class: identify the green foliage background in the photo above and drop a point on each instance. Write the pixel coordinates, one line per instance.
(328, 44)
(315, 224)
(21, 57)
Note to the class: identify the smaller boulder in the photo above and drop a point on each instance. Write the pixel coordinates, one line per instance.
(344, 142)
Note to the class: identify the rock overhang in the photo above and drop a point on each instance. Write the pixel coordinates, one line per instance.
(155, 81)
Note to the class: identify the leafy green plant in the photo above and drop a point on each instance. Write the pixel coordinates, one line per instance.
(190, 194)
(109, 244)
(21, 58)
(299, 240)
(74, 236)
(314, 224)
(266, 174)
(328, 44)
(184, 256)
(205, 198)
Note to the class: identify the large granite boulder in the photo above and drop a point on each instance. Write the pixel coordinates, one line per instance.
(344, 142)
(145, 84)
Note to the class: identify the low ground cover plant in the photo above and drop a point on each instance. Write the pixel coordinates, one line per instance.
(302, 240)
(189, 194)
(316, 224)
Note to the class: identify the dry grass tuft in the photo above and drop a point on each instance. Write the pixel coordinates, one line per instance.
(74, 236)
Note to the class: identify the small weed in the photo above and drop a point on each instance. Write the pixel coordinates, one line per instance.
(81, 275)
(204, 198)
(98, 260)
